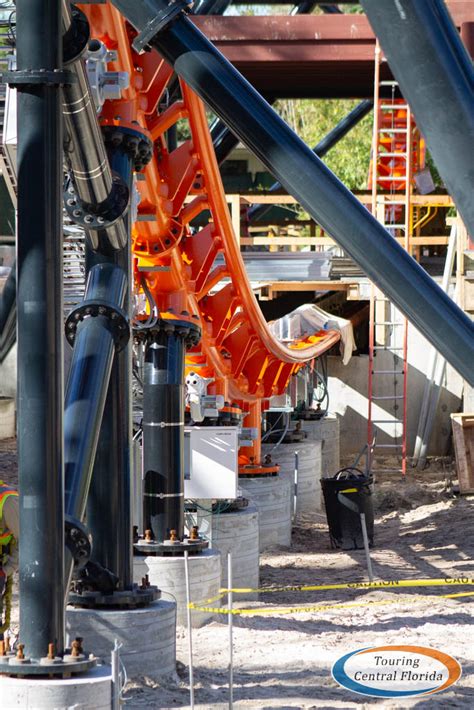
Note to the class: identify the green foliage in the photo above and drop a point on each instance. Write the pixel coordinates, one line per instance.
(312, 120)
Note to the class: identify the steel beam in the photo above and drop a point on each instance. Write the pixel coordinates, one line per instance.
(315, 187)
(436, 77)
(109, 503)
(40, 331)
(281, 58)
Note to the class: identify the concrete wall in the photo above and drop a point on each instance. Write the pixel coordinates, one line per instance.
(348, 396)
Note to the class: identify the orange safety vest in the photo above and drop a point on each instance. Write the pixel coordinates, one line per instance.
(5, 534)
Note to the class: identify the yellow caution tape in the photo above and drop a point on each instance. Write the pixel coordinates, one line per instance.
(275, 611)
(382, 584)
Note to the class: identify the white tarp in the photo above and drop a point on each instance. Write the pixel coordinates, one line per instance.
(308, 319)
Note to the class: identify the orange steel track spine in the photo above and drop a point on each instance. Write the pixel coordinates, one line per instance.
(177, 261)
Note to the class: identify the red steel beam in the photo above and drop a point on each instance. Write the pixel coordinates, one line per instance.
(306, 56)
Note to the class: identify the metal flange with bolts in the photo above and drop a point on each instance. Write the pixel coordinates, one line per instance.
(75, 660)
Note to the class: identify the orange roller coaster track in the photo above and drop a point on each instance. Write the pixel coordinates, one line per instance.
(176, 261)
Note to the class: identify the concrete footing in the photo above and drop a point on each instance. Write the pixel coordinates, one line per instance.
(272, 496)
(147, 635)
(89, 691)
(308, 453)
(236, 532)
(168, 574)
(326, 430)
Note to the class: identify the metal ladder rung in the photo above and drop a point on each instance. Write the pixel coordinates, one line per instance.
(394, 226)
(393, 155)
(388, 396)
(393, 107)
(391, 179)
(387, 322)
(388, 203)
(386, 347)
(395, 422)
(393, 130)
(388, 446)
(388, 82)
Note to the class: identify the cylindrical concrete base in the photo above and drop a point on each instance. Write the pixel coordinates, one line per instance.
(147, 635)
(308, 498)
(89, 691)
(272, 497)
(168, 574)
(235, 532)
(326, 430)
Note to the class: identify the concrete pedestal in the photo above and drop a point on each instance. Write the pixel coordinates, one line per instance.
(167, 573)
(236, 532)
(147, 635)
(326, 430)
(89, 691)
(308, 499)
(272, 496)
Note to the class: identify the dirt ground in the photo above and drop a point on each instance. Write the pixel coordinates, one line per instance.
(422, 530)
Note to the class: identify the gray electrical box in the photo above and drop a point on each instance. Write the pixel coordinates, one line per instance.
(210, 462)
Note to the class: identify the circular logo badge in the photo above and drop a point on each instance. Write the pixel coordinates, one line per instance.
(396, 671)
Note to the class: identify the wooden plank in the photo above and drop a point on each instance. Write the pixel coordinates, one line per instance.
(327, 241)
(271, 291)
(287, 241)
(463, 436)
(365, 198)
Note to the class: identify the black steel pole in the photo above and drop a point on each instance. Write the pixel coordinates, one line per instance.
(109, 504)
(94, 347)
(97, 327)
(40, 328)
(324, 146)
(315, 187)
(436, 77)
(163, 430)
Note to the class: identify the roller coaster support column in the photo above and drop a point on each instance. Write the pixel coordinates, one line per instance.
(163, 427)
(108, 505)
(305, 176)
(108, 509)
(97, 328)
(436, 77)
(40, 331)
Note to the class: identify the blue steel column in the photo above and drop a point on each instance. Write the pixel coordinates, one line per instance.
(306, 177)
(109, 504)
(40, 328)
(163, 433)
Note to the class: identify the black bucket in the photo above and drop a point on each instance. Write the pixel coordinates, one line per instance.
(346, 496)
